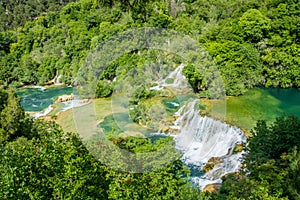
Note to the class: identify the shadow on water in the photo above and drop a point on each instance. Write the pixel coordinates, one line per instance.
(289, 99)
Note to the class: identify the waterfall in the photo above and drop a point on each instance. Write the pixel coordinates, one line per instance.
(178, 80)
(36, 87)
(205, 142)
(57, 78)
(176, 75)
(203, 138)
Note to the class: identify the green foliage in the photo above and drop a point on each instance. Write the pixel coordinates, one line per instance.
(140, 94)
(104, 89)
(38, 161)
(167, 182)
(3, 99)
(139, 114)
(194, 77)
(54, 165)
(16, 13)
(239, 65)
(244, 188)
(272, 163)
(13, 121)
(254, 25)
(253, 43)
(271, 142)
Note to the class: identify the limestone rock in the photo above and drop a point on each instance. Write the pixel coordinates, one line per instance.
(83, 101)
(226, 175)
(214, 187)
(64, 98)
(167, 126)
(211, 163)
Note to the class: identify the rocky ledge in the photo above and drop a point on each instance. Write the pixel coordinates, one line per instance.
(64, 98)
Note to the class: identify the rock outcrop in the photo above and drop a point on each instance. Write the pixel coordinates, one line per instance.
(64, 98)
(167, 126)
(212, 162)
(214, 187)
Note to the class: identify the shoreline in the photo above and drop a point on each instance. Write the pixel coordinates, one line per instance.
(241, 111)
(44, 86)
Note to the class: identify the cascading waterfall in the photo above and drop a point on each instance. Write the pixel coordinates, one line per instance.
(42, 113)
(177, 77)
(203, 138)
(179, 80)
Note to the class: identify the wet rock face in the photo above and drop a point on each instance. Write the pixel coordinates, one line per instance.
(236, 174)
(64, 98)
(215, 187)
(211, 163)
(167, 129)
(167, 126)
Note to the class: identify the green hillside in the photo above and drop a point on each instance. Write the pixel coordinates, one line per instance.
(251, 42)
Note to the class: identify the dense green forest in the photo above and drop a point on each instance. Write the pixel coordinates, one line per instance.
(252, 42)
(14, 14)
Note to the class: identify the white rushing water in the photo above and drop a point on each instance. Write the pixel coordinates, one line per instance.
(178, 80)
(36, 87)
(202, 138)
(57, 80)
(42, 113)
(67, 105)
(74, 103)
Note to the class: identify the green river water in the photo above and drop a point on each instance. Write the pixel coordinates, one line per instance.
(38, 99)
(242, 111)
(262, 104)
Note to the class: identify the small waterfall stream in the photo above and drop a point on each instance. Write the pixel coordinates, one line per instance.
(177, 80)
(57, 78)
(203, 138)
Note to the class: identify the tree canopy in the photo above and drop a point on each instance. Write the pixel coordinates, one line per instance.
(272, 164)
(252, 42)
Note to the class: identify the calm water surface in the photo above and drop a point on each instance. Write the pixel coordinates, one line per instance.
(262, 104)
(37, 99)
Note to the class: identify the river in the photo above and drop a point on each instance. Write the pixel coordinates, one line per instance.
(202, 138)
(262, 104)
(37, 99)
